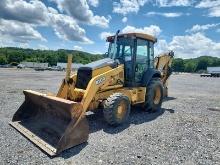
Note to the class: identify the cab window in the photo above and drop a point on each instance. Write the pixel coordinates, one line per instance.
(142, 59)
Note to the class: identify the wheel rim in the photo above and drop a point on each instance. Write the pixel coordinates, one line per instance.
(121, 110)
(157, 95)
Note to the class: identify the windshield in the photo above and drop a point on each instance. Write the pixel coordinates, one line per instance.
(123, 49)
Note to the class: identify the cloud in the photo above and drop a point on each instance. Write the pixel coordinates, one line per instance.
(93, 3)
(190, 46)
(213, 7)
(104, 35)
(185, 46)
(34, 12)
(43, 47)
(14, 31)
(169, 15)
(100, 21)
(160, 47)
(128, 6)
(152, 30)
(66, 28)
(76, 47)
(79, 10)
(198, 28)
(171, 3)
(133, 6)
(208, 3)
(24, 45)
(125, 19)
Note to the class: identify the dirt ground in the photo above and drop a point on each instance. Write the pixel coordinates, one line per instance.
(185, 131)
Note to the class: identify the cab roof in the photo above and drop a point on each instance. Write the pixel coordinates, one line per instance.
(138, 35)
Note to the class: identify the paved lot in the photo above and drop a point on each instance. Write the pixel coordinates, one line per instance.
(185, 131)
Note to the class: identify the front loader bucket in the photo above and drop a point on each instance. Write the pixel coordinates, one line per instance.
(52, 123)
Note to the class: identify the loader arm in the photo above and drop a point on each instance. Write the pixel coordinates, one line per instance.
(68, 84)
(100, 82)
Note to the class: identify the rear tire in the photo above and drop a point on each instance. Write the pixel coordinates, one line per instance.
(154, 95)
(116, 109)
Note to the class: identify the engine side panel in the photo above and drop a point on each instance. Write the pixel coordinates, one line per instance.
(86, 73)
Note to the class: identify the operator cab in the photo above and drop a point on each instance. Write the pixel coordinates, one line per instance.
(136, 52)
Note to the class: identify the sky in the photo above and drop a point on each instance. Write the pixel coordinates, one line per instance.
(190, 28)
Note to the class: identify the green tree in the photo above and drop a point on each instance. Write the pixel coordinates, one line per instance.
(62, 56)
(15, 56)
(3, 59)
(11, 54)
(51, 59)
(190, 66)
(202, 64)
(178, 65)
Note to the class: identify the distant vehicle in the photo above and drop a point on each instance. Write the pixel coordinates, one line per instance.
(49, 68)
(21, 66)
(212, 72)
(53, 68)
(35, 64)
(57, 68)
(5, 66)
(39, 69)
(75, 66)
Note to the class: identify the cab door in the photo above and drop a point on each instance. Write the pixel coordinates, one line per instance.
(143, 59)
(125, 55)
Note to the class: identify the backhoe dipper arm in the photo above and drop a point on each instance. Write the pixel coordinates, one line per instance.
(163, 64)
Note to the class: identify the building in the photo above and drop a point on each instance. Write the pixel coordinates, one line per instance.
(75, 66)
(35, 65)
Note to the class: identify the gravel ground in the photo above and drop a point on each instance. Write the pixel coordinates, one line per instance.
(185, 131)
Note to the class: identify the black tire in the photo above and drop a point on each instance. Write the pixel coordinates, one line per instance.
(150, 104)
(111, 109)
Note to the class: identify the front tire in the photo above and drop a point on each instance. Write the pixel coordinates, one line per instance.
(154, 95)
(116, 109)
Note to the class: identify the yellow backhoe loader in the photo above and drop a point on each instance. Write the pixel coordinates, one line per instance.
(128, 75)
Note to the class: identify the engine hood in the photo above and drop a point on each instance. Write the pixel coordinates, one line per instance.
(101, 63)
(85, 73)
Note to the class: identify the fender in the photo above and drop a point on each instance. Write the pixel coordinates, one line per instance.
(149, 74)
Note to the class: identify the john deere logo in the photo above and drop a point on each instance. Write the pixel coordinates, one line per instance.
(100, 80)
